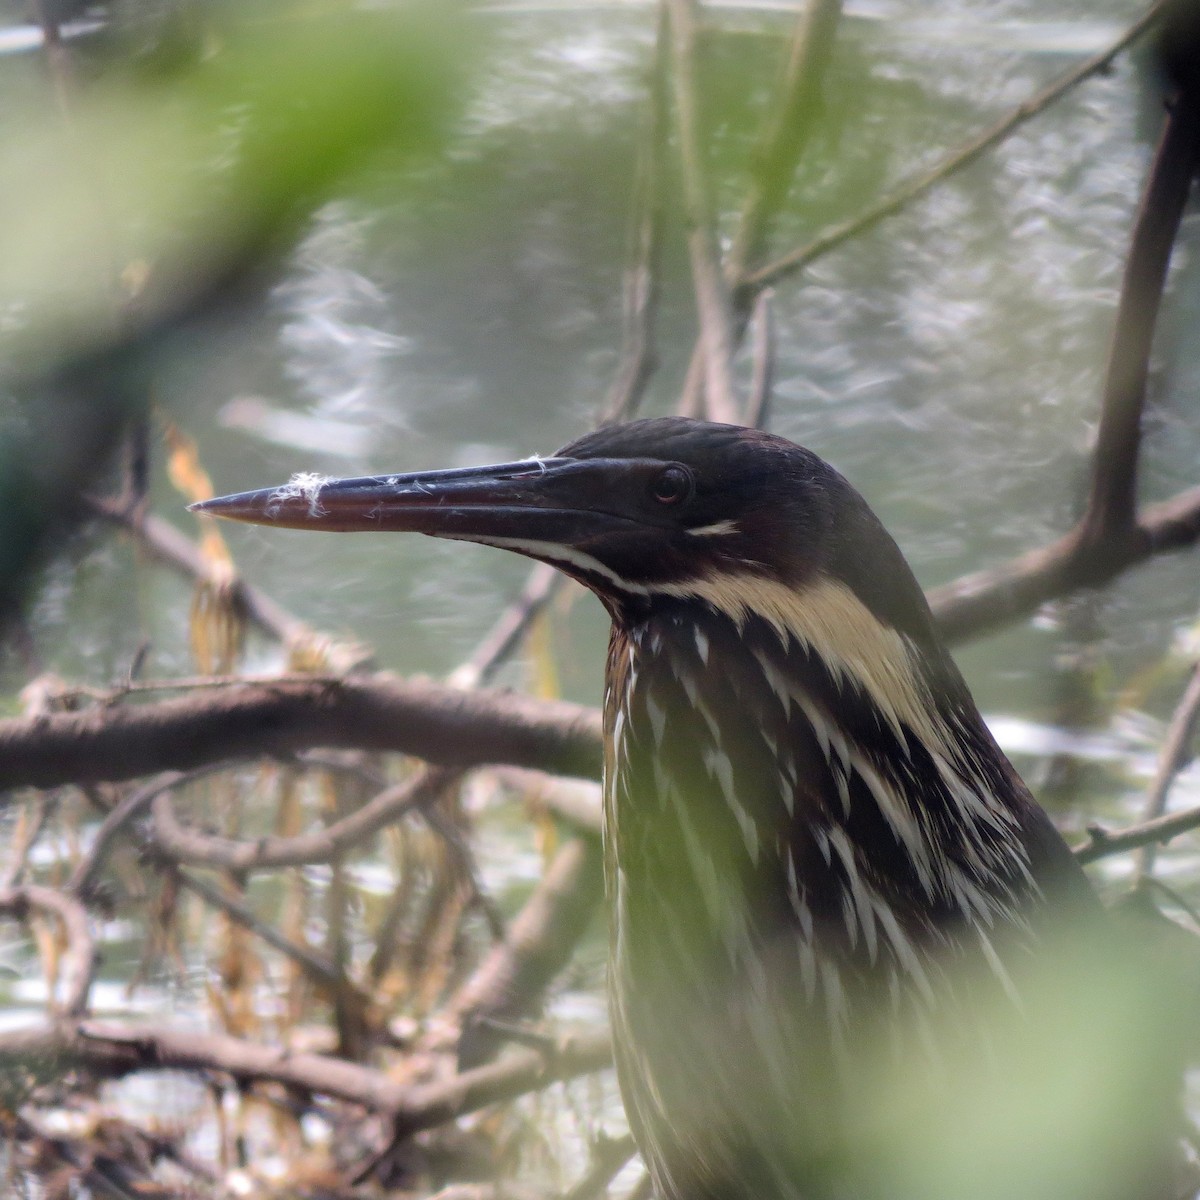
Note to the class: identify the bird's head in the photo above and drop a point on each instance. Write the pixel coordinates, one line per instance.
(667, 507)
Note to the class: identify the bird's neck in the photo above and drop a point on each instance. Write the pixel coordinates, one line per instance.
(782, 761)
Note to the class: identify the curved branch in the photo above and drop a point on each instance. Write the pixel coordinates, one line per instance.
(442, 725)
(1173, 755)
(1101, 843)
(184, 844)
(786, 134)
(115, 1049)
(78, 962)
(510, 982)
(1112, 501)
(985, 600)
(913, 189)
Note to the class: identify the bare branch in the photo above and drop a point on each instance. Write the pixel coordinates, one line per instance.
(189, 845)
(1172, 757)
(78, 962)
(502, 640)
(640, 301)
(509, 983)
(713, 305)
(906, 193)
(119, 1049)
(83, 879)
(443, 725)
(1101, 843)
(759, 403)
(1112, 502)
(319, 968)
(786, 134)
(1000, 595)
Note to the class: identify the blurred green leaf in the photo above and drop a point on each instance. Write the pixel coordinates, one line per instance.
(137, 200)
(155, 184)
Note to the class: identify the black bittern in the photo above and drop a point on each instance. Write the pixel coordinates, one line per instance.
(813, 843)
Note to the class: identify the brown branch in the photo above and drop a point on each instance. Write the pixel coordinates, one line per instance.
(82, 883)
(83, 879)
(713, 305)
(986, 600)
(174, 549)
(318, 968)
(609, 1155)
(506, 635)
(118, 1049)
(763, 380)
(442, 725)
(29, 828)
(463, 856)
(913, 189)
(455, 728)
(1173, 756)
(185, 844)
(431, 1104)
(510, 982)
(641, 286)
(1112, 501)
(78, 962)
(786, 135)
(576, 802)
(1101, 843)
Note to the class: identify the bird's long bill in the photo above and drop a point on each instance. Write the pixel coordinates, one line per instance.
(557, 501)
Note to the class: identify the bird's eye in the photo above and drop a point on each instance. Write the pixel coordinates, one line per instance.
(672, 486)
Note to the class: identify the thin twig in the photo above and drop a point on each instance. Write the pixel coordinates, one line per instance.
(320, 969)
(786, 133)
(464, 856)
(508, 985)
(32, 822)
(1102, 844)
(912, 189)
(1172, 757)
(640, 300)
(713, 305)
(189, 845)
(83, 879)
(506, 635)
(77, 963)
(762, 381)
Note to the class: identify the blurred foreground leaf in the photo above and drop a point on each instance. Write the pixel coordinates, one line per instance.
(159, 192)
(188, 174)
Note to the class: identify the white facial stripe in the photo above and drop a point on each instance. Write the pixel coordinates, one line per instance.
(552, 552)
(719, 529)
